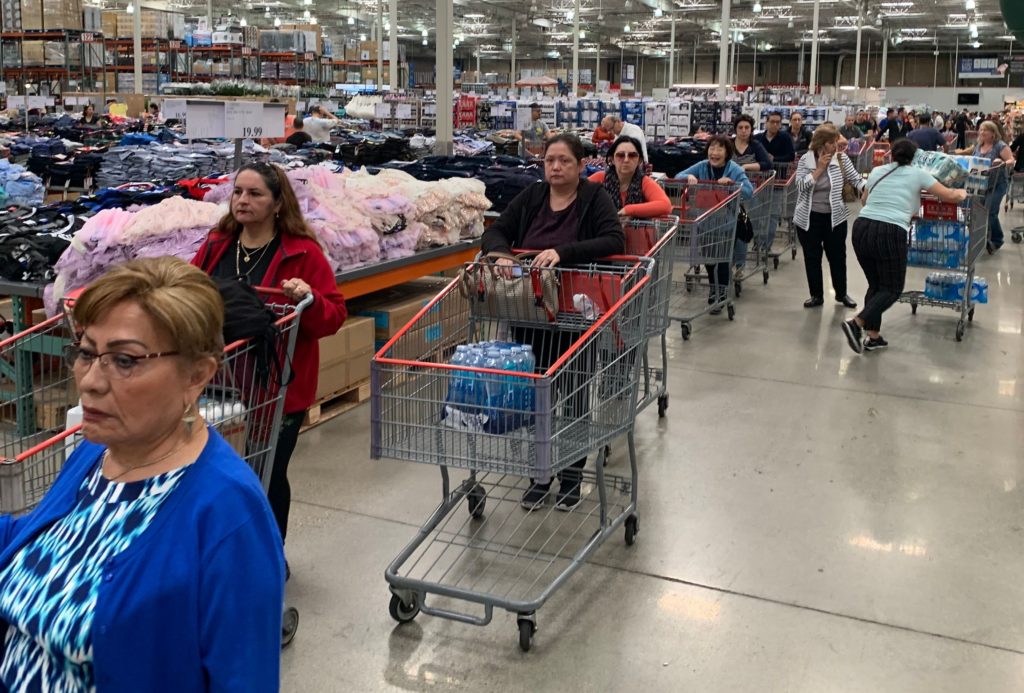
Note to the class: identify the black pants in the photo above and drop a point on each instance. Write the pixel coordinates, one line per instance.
(280, 492)
(820, 236)
(718, 277)
(548, 345)
(881, 250)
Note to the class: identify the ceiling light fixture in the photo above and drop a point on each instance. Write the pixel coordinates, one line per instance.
(362, 37)
(423, 33)
(739, 36)
(583, 34)
(757, 6)
(878, 22)
(626, 29)
(424, 42)
(790, 24)
(976, 44)
(305, 14)
(277, 21)
(130, 8)
(266, 13)
(970, 5)
(313, 20)
(658, 12)
(767, 46)
(243, 23)
(351, 21)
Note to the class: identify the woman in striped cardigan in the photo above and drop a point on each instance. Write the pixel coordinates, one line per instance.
(821, 215)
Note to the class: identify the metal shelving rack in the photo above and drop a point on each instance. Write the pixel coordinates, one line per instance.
(57, 78)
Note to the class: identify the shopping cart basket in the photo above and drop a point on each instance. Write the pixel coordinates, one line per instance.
(948, 237)
(706, 236)
(655, 238)
(527, 425)
(36, 391)
(244, 402)
(784, 204)
(873, 155)
(760, 210)
(1013, 197)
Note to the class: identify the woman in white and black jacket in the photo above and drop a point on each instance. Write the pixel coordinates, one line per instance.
(821, 215)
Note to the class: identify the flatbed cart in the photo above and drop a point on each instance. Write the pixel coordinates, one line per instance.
(948, 237)
(244, 402)
(760, 210)
(1016, 196)
(479, 548)
(706, 236)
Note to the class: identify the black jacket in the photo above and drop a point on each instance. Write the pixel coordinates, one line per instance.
(599, 232)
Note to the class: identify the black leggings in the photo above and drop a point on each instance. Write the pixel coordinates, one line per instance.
(280, 491)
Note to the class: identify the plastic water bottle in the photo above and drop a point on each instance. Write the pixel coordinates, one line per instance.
(473, 385)
(979, 290)
(457, 379)
(493, 385)
(520, 386)
(511, 383)
(530, 367)
(929, 285)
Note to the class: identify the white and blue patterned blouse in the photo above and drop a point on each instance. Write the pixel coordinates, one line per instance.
(48, 590)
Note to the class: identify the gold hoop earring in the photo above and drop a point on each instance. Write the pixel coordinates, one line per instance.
(190, 417)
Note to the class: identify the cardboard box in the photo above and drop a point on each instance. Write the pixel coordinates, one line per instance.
(394, 308)
(109, 24)
(345, 356)
(62, 14)
(32, 15)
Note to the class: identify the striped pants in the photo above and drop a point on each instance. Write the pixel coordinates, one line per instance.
(881, 250)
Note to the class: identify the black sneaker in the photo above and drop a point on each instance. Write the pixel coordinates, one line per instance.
(534, 497)
(568, 491)
(875, 343)
(854, 335)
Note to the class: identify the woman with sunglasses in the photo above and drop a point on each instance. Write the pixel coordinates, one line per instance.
(153, 562)
(264, 241)
(627, 183)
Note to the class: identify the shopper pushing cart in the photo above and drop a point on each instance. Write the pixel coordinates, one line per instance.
(150, 518)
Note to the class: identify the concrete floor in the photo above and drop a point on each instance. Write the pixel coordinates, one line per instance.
(812, 520)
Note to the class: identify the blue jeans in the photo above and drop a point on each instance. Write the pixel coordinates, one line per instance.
(739, 253)
(995, 201)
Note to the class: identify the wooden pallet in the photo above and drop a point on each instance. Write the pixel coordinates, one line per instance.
(336, 404)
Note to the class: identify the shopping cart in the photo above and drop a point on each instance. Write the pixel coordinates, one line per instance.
(873, 155)
(655, 238)
(36, 391)
(244, 402)
(423, 410)
(784, 204)
(706, 236)
(972, 138)
(1014, 196)
(948, 237)
(760, 210)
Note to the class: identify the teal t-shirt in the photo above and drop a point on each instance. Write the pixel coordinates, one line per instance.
(897, 198)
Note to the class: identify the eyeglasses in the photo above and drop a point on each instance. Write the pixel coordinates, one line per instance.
(622, 156)
(115, 363)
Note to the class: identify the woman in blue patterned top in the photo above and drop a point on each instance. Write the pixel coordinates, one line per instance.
(153, 563)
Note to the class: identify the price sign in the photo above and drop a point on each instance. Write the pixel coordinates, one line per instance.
(325, 60)
(310, 56)
(204, 120)
(88, 37)
(175, 45)
(382, 110)
(403, 111)
(243, 119)
(174, 109)
(37, 102)
(246, 50)
(15, 100)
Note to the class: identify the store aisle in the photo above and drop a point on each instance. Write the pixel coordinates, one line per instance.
(812, 520)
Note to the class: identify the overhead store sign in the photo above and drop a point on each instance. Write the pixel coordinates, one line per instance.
(980, 68)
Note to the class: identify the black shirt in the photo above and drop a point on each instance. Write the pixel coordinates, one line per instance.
(552, 229)
(1017, 147)
(298, 138)
(232, 264)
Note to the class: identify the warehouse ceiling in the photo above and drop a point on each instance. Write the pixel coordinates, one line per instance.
(544, 27)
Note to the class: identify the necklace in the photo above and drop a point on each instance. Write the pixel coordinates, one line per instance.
(238, 254)
(248, 253)
(106, 458)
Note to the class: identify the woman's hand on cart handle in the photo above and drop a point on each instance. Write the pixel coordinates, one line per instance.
(547, 258)
(295, 289)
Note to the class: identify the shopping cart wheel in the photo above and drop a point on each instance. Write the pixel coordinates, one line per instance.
(686, 331)
(731, 311)
(739, 289)
(970, 315)
(689, 284)
(960, 327)
(913, 309)
(662, 406)
(476, 500)
(289, 624)
(526, 630)
(402, 612)
(1017, 236)
(764, 275)
(632, 528)
(775, 261)
(794, 253)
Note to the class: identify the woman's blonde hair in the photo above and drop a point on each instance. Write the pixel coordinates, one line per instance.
(181, 300)
(825, 133)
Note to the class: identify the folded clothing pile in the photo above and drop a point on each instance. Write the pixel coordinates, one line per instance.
(32, 240)
(167, 162)
(503, 177)
(20, 186)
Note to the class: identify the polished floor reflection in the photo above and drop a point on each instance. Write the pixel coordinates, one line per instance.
(812, 520)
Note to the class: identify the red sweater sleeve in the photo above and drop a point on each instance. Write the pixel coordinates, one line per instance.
(328, 312)
(597, 177)
(657, 204)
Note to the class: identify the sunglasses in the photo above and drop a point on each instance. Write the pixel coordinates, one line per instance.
(622, 156)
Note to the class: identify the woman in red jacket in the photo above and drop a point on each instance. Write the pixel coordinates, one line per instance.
(264, 241)
(632, 191)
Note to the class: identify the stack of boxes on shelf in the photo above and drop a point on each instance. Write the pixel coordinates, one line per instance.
(632, 111)
(656, 120)
(678, 118)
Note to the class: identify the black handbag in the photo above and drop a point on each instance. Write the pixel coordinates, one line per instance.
(744, 229)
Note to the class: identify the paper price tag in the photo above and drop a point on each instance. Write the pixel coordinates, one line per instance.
(403, 110)
(243, 119)
(174, 109)
(382, 110)
(15, 101)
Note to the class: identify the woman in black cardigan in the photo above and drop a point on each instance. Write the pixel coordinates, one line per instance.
(570, 221)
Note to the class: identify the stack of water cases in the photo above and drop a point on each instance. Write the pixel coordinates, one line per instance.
(480, 401)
